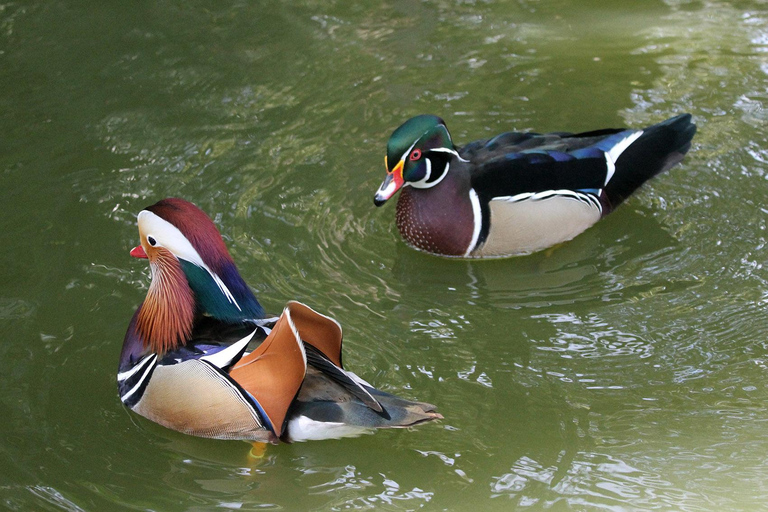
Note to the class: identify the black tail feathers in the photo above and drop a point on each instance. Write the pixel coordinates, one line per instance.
(659, 148)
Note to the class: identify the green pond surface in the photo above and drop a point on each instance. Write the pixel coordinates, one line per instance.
(624, 370)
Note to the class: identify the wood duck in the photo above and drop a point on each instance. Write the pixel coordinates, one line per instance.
(188, 361)
(517, 193)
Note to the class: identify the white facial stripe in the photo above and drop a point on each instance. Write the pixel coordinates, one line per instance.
(445, 128)
(423, 182)
(408, 152)
(223, 288)
(451, 151)
(405, 157)
(169, 236)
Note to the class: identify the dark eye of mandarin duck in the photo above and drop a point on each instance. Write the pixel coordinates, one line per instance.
(151, 241)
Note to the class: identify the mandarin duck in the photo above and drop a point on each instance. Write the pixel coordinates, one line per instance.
(201, 357)
(517, 193)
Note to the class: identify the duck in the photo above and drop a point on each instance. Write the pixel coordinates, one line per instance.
(518, 192)
(201, 356)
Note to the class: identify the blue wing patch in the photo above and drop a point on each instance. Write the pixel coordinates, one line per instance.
(609, 142)
(590, 152)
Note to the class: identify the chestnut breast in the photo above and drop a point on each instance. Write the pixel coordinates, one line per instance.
(438, 219)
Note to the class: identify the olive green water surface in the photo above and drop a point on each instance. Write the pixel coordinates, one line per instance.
(625, 370)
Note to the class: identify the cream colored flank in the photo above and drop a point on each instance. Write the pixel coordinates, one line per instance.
(523, 227)
(192, 397)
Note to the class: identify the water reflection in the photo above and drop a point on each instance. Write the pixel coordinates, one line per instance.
(591, 268)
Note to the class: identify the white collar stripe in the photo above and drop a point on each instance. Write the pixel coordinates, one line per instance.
(477, 216)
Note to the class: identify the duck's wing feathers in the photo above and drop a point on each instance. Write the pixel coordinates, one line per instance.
(334, 402)
(220, 343)
(324, 410)
(579, 164)
(515, 142)
(540, 190)
(348, 381)
(274, 372)
(322, 337)
(320, 331)
(611, 162)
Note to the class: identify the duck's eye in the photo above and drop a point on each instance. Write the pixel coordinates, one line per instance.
(151, 241)
(415, 154)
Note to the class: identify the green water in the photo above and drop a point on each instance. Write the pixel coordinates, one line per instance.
(625, 370)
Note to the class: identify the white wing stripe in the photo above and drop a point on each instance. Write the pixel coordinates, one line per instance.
(135, 388)
(615, 152)
(224, 357)
(129, 373)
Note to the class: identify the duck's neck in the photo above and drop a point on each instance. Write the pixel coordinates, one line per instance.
(439, 219)
(226, 296)
(181, 291)
(164, 321)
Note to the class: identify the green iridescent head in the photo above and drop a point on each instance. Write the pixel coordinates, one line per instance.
(419, 134)
(418, 154)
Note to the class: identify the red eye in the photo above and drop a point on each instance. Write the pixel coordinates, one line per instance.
(415, 154)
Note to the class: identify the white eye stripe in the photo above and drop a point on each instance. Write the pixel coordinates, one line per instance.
(451, 151)
(175, 241)
(424, 182)
(408, 152)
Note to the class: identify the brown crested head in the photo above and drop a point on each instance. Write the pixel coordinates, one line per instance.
(166, 317)
(192, 273)
(197, 228)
